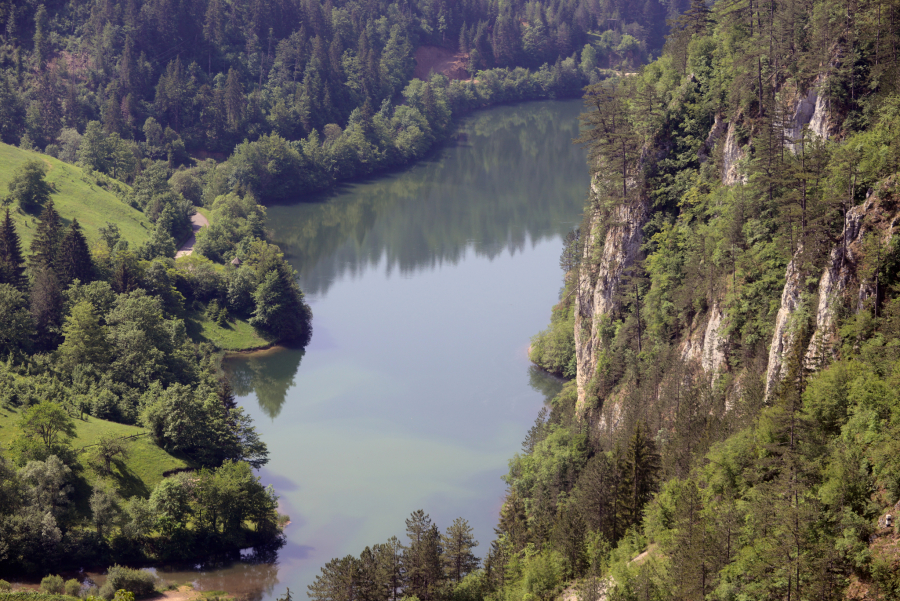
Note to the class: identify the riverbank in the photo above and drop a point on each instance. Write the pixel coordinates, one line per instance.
(31, 591)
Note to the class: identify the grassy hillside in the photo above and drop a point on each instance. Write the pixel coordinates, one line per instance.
(136, 475)
(74, 197)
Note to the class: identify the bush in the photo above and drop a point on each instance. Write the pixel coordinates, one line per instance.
(52, 584)
(134, 581)
(73, 588)
(4, 586)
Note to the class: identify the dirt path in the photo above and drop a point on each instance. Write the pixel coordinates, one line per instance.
(197, 221)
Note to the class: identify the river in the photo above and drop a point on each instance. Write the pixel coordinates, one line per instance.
(415, 391)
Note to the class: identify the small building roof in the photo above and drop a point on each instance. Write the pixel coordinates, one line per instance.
(235, 261)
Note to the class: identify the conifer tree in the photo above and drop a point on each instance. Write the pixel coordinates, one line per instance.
(457, 544)
(45, 245)
(74, 257)
(46, 307)
(641, 473)
(389, 558)
(611, 138)
(422, 559)
(12, 265)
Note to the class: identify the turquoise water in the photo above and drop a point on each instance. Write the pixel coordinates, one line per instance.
(415, 391)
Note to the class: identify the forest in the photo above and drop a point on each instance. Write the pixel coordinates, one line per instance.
(299, 93)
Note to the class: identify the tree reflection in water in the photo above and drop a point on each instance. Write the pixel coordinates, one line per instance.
(270, 374)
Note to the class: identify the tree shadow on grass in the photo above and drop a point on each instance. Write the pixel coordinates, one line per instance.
(81, 495)
(127, 482)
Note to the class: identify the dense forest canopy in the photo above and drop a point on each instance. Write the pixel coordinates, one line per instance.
(214, 72)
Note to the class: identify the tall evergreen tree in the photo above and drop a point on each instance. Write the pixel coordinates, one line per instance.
(12, 265)
(46, 308)
(641, 473)
(457, 544)
(422, 558)
(74, 261)
(47, 238)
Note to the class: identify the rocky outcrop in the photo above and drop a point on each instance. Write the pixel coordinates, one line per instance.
(705, 345)
(839, 285)
(600, 277)
(715, 132)
(820, 122)
(785, 334)
(712, 356)
(836, 277)
(803, 113)
(731, 156)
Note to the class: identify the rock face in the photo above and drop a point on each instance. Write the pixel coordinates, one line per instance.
(836, 277)
(785, 333)
(705, 345)
(715, 132)
(598, 284)
(803, 114)
(840, 282)
(607, 254)
(820, 122)
(731, 156)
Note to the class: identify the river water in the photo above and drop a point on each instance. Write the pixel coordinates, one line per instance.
(415, 391)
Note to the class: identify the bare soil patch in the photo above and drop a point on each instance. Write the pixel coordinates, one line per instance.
(440, 60)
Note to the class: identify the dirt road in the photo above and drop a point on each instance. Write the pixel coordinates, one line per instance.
(197, 221)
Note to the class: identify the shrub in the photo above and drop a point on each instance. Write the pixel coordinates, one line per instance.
(5, 586)
(73, 588)
(52, 584)
(134, 581)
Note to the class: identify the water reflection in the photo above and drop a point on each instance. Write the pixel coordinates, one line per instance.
(269, 374)
(497, 187)
(253, 576)
(547, 384)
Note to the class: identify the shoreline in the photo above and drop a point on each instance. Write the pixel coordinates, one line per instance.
(262, 351)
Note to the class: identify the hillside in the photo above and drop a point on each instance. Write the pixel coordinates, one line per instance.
(135, 475)
(75, 196)
(730, 322)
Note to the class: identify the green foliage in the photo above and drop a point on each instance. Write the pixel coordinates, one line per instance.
(29, 186)
(119, 579)
(53, 585)
(48, 423)
(15, 321)
(554, 348)
(73, 588)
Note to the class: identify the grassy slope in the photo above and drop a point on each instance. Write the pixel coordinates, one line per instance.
(138, 474)
(92, 205)
(238, 336)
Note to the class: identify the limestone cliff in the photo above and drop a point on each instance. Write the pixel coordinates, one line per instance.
(611, 247)
(614, 244)
(841, 283)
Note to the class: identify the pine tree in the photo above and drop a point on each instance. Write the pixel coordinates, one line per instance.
(422, 559)
(47, 238)
(612, 139)
(641, 464)
(46, 307)
(457, 544)
(389, 558)
(74, 261)
(12, 265)
(337, 581)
